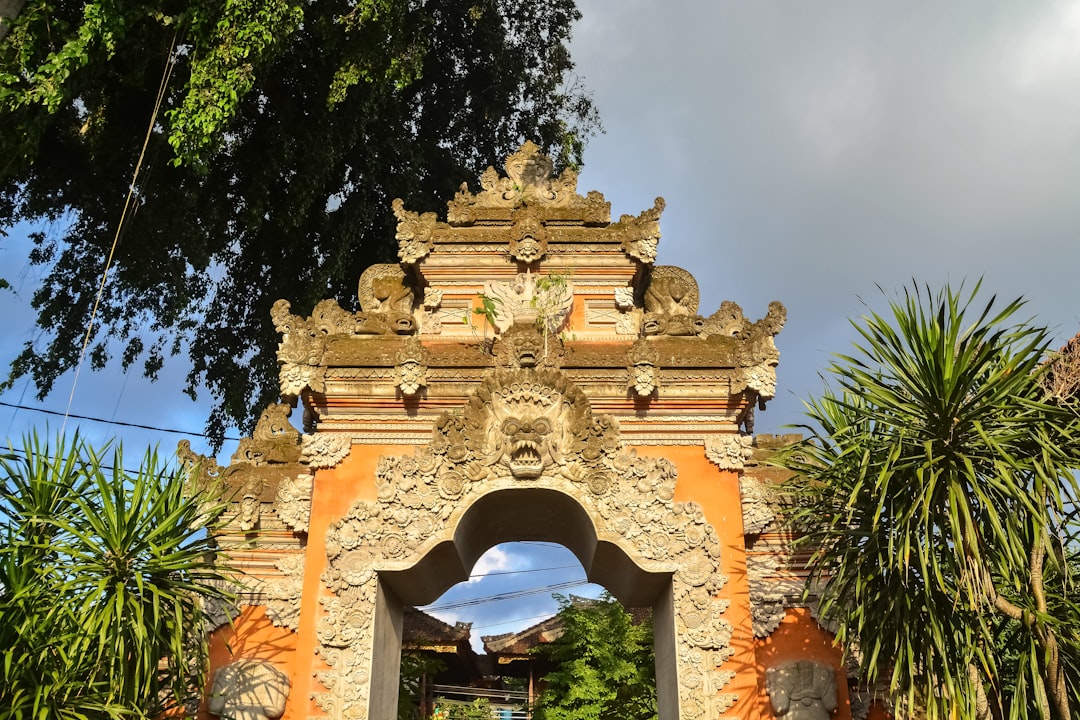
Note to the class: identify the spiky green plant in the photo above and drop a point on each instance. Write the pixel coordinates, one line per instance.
(934, 486)
(103, 575)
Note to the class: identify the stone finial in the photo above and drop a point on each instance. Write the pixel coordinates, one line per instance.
(529, 180)
(801, 690)
(415, 233)
(641, 234)
(249, 690)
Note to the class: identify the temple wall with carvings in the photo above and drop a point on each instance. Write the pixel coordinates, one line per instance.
(526, 372)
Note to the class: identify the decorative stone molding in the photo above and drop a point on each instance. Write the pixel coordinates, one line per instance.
(641, 234)
(643, 364)
(293, 501)
(249, 690)
(414, 233)
(531, 298)
(671, 303)
(411, 368)
(325, 450)
(530, 179)
(523, 428)
(282, 595)
(757, 506)
(730, 451)
(801, 690)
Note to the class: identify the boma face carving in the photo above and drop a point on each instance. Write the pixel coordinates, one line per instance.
(526, 428)
(528, 446)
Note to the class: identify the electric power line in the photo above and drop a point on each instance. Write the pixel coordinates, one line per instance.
(513, 595)
(139, 426)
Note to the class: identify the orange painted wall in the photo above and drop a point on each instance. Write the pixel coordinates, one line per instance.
(251, 636)
(716, 491)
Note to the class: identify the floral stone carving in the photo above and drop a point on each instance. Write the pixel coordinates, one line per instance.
(729, 452)
(757, 506)
(643, 362)
(293, 501)
(325, 450)
(282, 595)
(521, 428)
(249, 690)
(801, 690)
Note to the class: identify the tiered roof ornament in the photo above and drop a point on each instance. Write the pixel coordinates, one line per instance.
(528, 249)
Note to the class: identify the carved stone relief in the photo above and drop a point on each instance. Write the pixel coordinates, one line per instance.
(757, 506)
(671, 303)
(643, 364)
(431, 321)
(521, 428)
(801, 690)
(729, 452)
(528, 236)
(281, 596)
(293, 501)
(769, 597)
(411, 368)
(525, 346)
(249, 690)
(386, 301)
(529, 298)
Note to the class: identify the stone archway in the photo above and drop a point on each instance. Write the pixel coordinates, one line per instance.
(510, 515)
(526, 439)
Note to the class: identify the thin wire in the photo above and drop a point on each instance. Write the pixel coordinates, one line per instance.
(519, 572)
(140, 426)
(166, 75)
(483, 600)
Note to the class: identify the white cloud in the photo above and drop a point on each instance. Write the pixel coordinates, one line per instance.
(494, 560)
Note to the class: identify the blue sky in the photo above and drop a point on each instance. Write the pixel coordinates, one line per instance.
(808, 153)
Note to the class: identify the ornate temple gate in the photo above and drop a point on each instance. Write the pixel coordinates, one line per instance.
(525, 373)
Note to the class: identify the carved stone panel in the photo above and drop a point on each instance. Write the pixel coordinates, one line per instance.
(249, 690)
(801, 690)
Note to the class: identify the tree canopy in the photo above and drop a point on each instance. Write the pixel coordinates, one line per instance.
(279, 133)
(605, 665)
(937, 489)
(103, 574)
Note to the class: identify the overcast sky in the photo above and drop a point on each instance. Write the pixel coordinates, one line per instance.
(808, 153)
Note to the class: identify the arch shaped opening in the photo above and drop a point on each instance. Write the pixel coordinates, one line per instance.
(516, 515)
